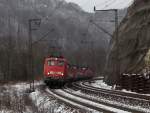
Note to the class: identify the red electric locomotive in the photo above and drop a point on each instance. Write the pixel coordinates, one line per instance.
(55, 70)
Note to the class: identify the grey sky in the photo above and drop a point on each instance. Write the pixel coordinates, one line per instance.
(102, 4)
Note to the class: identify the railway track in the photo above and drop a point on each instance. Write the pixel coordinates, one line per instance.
(82, 95)
(133, 95)
(82, 102)
(127, 102)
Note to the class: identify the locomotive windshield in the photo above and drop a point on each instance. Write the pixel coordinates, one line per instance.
(55, 63)
(60, 63)
(52, 63)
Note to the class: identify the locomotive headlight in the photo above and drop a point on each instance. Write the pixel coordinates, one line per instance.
(51, 72)
(60, 73)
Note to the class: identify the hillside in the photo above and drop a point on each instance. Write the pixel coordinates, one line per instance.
(69, 30)
(134, 42)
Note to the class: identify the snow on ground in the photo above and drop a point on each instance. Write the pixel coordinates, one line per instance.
(46, 103)
(9, 98)
(84, 109)
(24, 85)
(16, 98)
(114, 110)
(126, 103)
(100, 84)
(124, 90)
(119, 102)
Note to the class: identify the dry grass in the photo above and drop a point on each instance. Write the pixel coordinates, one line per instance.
(12, 101)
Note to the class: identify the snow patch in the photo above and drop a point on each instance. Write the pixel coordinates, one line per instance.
(49, 104)
(101, 84)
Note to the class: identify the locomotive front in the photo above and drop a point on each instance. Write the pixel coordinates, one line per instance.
(55, 70)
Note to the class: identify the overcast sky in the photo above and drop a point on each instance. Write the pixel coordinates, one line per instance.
(88, 5)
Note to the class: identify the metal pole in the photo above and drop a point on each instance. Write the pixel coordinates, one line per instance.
(30, 74)
(117, 44)
(9, 52)
(36, 23)
(93, 52)
(29, 53)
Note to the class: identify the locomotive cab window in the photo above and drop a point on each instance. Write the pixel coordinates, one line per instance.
(55, 63)
(61, 63)
(52, 63)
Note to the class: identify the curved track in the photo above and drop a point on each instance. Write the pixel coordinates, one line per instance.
(111, 95)
(82, 95)
(82, 102)
(68, 101)
(132, 95)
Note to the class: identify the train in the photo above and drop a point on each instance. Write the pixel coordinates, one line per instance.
(58, 71)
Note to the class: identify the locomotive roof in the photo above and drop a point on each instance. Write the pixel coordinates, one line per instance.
(55, 58)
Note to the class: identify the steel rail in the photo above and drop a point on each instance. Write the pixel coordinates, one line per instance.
(105, 94)
(68, 100)
(101, 102)
(132, 95)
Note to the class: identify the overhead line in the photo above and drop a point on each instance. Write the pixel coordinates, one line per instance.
(107, 5)
(43, 37)
(105, 2)
(101, 28)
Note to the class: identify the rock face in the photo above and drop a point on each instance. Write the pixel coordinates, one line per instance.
(133, 45)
